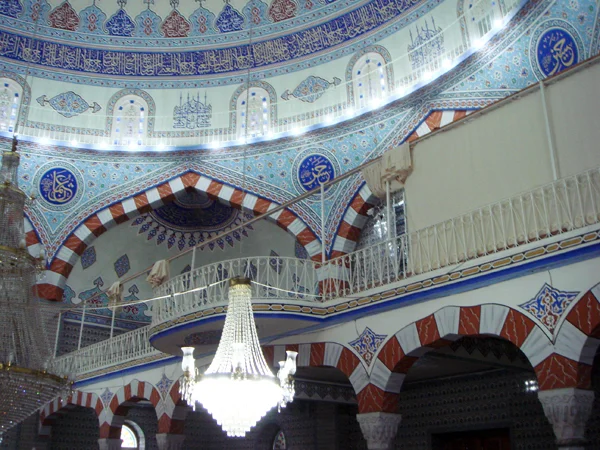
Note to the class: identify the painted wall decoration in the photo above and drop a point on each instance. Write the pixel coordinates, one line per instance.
(282, 10)
(122, 265)
(92, 20)
(11, 8)
(190, 220)
(548, 305)
(68, 104)
(311, 89)
(88, 257)
(367, 344)
(556, 46)
(193, 113)
(175, 25)
(209, 337)
(64, 17)
(61, 56)
(426, 46)
(164, 385)
(313, 167)
(279, 442)
(60, 185)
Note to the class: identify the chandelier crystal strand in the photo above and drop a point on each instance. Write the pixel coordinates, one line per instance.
(25, 321)
(238, 388)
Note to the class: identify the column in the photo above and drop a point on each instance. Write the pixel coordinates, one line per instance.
(568, 410)
(167, 441)
(379, 429)
(109, 444)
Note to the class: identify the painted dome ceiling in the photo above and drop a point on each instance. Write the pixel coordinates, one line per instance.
(95, 31)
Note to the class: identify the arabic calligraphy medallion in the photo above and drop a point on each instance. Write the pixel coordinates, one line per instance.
(557, 47)
(59, 186)
(313, 169)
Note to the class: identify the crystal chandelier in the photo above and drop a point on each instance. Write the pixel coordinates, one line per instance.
(238, 388)
(25, 386)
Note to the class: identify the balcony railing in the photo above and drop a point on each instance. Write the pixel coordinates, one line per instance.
(563, 206)
(274, 277)
(556, 208)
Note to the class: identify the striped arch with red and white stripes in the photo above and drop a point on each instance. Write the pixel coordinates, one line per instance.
(143, 202)
(330, 354)
(113, 416)
(355, 216)
(551, 359)
(57, 407)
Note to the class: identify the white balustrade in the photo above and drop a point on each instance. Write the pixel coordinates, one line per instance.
(556, 208)
(129, 346)
(273, 278)
(564, 206)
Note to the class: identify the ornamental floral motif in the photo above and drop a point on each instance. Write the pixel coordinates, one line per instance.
(175, 25)
(282, 10)
(92, 20)
(229, 20)
(64, 17)
(164, 385)
(68, 104)
(88, 257)
(367, 344)
(11, 8)
(120, 24)
(106, 397)
(548, 305)
(311, 89)
(122, 265)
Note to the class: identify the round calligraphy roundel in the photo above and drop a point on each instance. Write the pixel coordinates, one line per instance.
(313, 169)
(557, 47)
(59, 186)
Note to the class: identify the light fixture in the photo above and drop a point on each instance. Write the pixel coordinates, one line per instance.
(25, 321)
(238, 388)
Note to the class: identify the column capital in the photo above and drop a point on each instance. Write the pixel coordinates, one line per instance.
(109, 444)
(568, 410)
(379, 429)
(167, 441)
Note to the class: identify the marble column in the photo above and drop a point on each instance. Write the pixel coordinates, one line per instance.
(568, 410)
(109, 444)
(166, 441)
(379, 429)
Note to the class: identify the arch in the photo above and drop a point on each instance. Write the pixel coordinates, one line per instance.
(237, 94)
(329, 354)
(386, 58)
(52, 410)
(355, 217)
(172, 421)
(117, 96)
(114, 414)
(154, 197)
(25, 94)
(441, 328)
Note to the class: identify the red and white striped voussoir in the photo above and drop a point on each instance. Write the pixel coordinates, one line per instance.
(155, 197)
(356, 215)
(448, 324)
(34, 246)
(320, 354)
(57, 406)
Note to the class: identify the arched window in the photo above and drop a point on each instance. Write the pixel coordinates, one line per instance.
(479, 17)
(132, 436)
(369, 77)
(10, 98)
(253, 109)
(129, 121)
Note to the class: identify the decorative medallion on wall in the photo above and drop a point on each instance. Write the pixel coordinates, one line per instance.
(203, 21)
(229, 19)
(311, 89)
(120, 24)
(164, 385)
(64, 17)
(548, 305)
(556, 46)
(68, 294)
(282, 10)
(122, 266)
(312, 168)
(69, 104)
(60, 185)
(190, 220)
(279, 443)
(367, 344)
(88, 257)
(92, 20)
(175, 25)
(210, 337)
(106, 397)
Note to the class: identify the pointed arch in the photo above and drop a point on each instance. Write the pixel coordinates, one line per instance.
(330, 354)
(441, 328)
(355, 216)
(155, 197)
(114, 414)
(18, 80)
(59, 406)
(118, 97)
